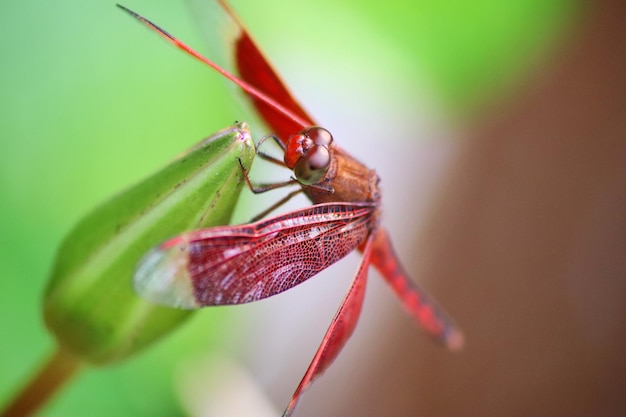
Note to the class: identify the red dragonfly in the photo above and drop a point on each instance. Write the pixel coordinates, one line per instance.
(245, 263)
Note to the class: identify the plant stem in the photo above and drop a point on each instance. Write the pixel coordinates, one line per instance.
(59, 368)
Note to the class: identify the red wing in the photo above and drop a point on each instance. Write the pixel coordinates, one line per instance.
(340, 329)
(415, 300)
(240, 264)
(253, 68)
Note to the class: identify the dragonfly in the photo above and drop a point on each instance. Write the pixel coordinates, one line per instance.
(238, 264)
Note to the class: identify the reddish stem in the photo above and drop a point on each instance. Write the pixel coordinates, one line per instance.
(53, 374)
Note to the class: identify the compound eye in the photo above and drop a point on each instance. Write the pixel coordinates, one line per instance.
(311, 168)
(299, 144)
(303, 142)
(319, 135)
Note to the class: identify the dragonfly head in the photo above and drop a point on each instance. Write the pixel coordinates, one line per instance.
(308, 155)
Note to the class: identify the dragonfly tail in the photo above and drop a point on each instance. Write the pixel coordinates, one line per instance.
(432, 318)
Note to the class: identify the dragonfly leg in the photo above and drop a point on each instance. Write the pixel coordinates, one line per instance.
(276, 139)
(268, 157)
(261, 188)
(276, 205)
(257, 189)
(322, 187)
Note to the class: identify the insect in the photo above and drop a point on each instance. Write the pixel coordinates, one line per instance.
(245, 263)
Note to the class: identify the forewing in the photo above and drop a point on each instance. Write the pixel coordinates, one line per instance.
(251, 65)
(255, 69)
(240, 264)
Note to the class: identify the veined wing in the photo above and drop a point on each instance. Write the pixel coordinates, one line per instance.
(245, 263)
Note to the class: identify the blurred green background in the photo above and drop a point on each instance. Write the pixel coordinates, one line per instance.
(91, 102)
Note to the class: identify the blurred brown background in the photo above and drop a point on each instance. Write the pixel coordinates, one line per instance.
(526, 246)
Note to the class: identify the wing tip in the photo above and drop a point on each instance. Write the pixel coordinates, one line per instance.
(161, 277)
(454, 340)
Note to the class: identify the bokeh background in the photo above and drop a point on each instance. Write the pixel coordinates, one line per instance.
(499, 132)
